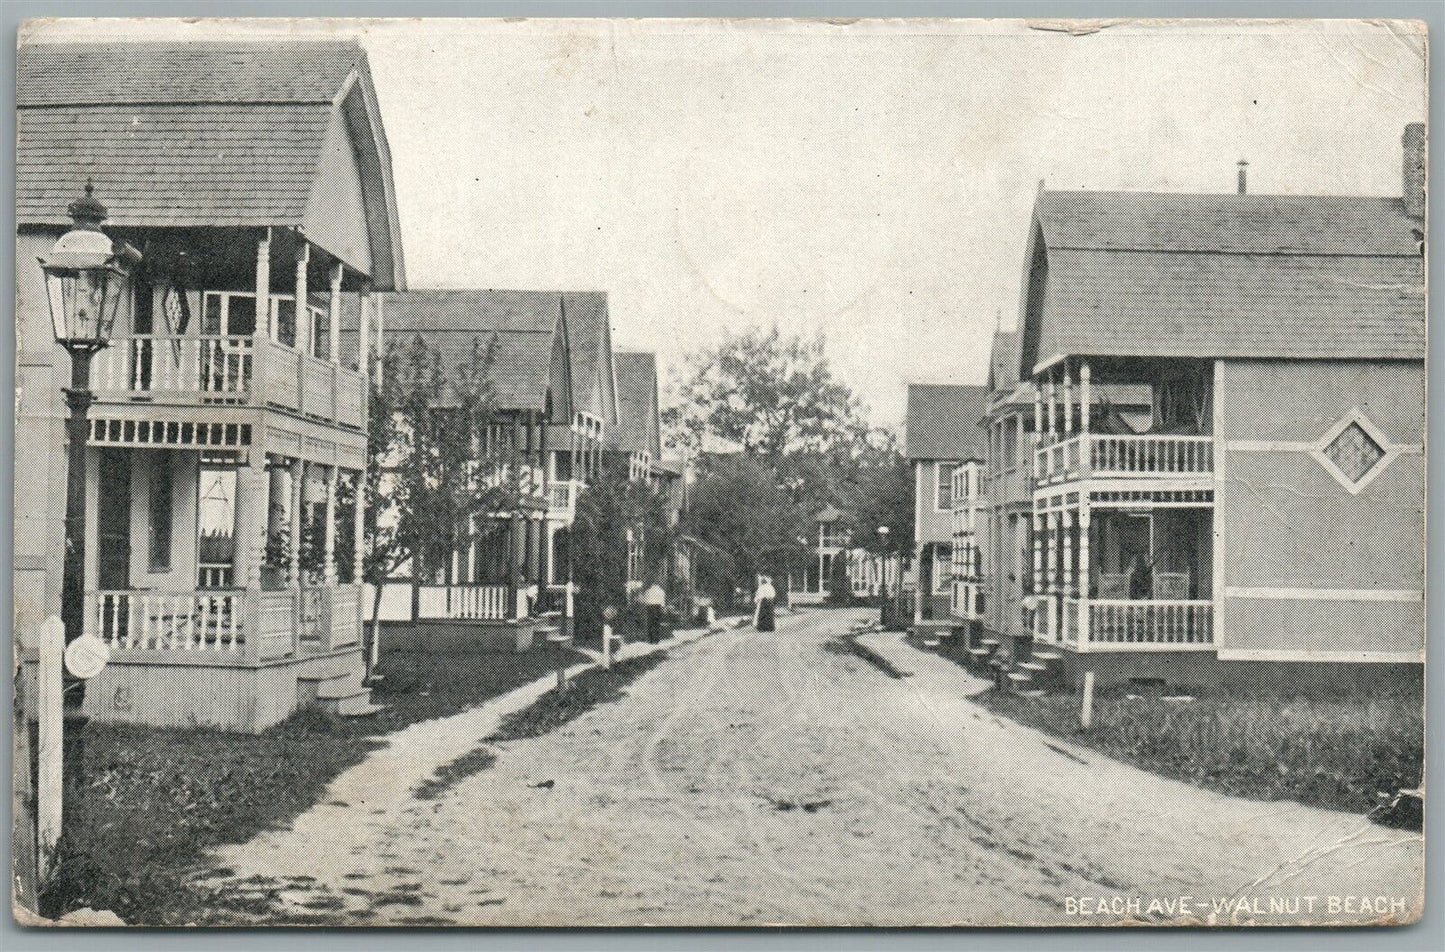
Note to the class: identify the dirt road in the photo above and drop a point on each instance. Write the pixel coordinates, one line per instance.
(755, 779)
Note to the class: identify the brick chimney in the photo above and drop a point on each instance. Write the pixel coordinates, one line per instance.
(1412, 173)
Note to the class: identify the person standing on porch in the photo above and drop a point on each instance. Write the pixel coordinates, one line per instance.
(763, 604)
(652, 599)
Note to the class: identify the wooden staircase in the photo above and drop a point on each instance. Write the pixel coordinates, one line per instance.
(337, 692)
(1025, 677)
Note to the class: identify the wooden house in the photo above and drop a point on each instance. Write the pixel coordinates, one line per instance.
(228, 434)
(943, 436)
(1266, 521)
(496, 576)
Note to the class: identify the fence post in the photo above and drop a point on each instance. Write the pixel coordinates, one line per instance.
(49, 774)
(1086, 713)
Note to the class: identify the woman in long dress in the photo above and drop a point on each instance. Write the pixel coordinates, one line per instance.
(763, 607)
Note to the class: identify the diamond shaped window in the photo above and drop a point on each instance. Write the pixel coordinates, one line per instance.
(1355, 452)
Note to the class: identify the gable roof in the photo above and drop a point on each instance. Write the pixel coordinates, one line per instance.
(943, 421)
(1261, 276)
(589, 329)
(638, 427)
(527, 326)
(186, 134)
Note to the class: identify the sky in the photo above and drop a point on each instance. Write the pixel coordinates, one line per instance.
(871, 182)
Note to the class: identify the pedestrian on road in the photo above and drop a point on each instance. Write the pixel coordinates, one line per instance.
(763, 604)
(652, 599)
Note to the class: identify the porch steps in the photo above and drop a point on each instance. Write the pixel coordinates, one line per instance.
(989, 642)
(1017, 678)
(980, 652)
(1032, 692)
(1033, 667)
(338, 694)
(1044, 654)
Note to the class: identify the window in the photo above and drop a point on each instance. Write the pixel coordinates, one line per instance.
(1354, 451)
(161, 511)
(942, 559)
(944, 486)
(216, 523)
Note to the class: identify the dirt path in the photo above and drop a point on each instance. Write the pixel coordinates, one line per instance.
(756, 779)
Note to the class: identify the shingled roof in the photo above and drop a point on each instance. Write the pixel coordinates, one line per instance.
(1262, 276)
(590, 333)
(186, 134)
(638, 428)
(943, 422)
(527, 326)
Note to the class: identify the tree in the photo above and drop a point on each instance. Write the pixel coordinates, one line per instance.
(437, 476)
(878, 491)
(767, 393)
(775, 435)
(611, 507)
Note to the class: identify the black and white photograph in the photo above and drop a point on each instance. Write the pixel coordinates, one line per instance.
(719, 473)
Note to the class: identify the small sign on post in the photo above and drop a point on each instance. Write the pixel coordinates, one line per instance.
(608, 614)
(1086, 713)
(86, 656)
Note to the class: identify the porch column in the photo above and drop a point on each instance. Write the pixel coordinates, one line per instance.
(264, 317)
(304, 331)
(328, 559)
(358, 571)
(379, 309)
(1084, 568)
(1068, 399)
(1086, 452)
(298, 477)
(1036, 582)
(1051, 563)
(1021, 447)
(1038, 409)
(1053, 423)
(252, 519)
(1067, 531)
(333, 316)
(363, 330)
(516, 552)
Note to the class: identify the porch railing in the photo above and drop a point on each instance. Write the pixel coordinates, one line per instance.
(465, 602)
(221, 623)
(218, 369)
(1140, 455)
(177, 621)
(1119, 623)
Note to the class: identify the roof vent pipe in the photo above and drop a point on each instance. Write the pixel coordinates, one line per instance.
(1243, 168)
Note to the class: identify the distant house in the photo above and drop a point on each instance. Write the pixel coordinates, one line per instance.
(227, 426)
(827, 543)
(498, 572)
(1266, 521)
(943, 436)
(635, 446)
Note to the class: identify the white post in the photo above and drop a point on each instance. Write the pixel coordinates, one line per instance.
(363, 332)
(606, 642)
(328, 561)
(1068, 398)
(298, 477)
(1084, 520)
(304, 329)
(380, 311)
(333, 316)
(264, 317)
(1086, 713)
(50, 757)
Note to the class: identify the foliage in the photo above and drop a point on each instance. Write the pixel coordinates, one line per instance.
(878, 491)
(438, 464)
(607, 509)
(737, 505)
(764, 392)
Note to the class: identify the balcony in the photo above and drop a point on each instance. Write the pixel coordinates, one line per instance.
(1141, 456)
(228, 370)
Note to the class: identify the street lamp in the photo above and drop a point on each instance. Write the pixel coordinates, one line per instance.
(883, 532)
(88, 284)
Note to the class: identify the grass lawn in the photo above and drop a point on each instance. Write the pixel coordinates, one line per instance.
(157, 799)
(1343, 750)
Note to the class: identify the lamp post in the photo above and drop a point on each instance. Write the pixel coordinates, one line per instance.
(88, 284)
(883, 532)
